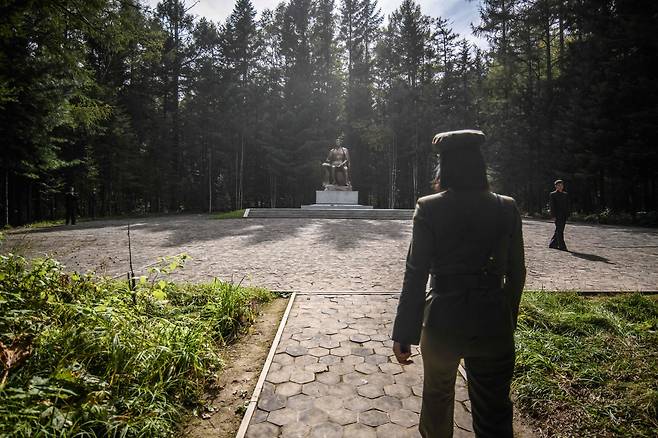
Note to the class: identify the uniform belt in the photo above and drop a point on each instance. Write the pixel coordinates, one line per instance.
(449, 283)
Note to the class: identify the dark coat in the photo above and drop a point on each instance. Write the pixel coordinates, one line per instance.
(559, 205)
(453, 233)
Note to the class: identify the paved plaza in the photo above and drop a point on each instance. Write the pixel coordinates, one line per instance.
(333, 255)
(334, 375)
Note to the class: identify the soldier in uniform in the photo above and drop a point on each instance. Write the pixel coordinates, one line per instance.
(470, 241)
(559, 206)
(71, 204)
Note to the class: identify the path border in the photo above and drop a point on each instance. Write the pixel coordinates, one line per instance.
(244, 425)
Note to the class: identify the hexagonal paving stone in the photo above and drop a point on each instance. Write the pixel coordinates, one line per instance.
(261, 430)
(358, 430)
(390, 368)
(329, 378)
(461, 391)
(342, 416)
(399, 391)
(339, 337)
(340, 351)
(353, 360)
(301, 376)
(283, 416)
(355, 379)
(370, 391)
(387, 403)
(300, 402)
(272, 402)
(313, 416)
(412, 403)
(390, 430)
(376, 359)
(329, 343)
(341, 390)
(403, 417)
(295, 430)
(268, 389)
(373, 418)
(259, 416)
(315, 389)
(288, 389)
(381, 379)
(296, 350)
(362, 351)
(341, 368)
(383, 351)
(326, 430)
(301, 337)
(357, 403)
(359, 338)
(318, 352)
(302, 361)
(408, 379)
(330, 360)
(366, 368)
(328, 403)
(316, 367)
(278, 376)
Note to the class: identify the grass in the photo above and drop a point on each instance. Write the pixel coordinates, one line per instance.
(235, 214)
(87, 357)
(588, 366)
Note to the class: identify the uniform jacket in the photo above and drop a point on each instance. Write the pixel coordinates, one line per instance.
(559, 204)
(452, 232)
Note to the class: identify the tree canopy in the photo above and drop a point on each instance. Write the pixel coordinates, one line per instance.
(157, 110)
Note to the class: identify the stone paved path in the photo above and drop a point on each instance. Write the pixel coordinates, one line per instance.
(333, 255)
(334, 375)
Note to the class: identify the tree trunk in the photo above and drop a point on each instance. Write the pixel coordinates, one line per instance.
(6, 196)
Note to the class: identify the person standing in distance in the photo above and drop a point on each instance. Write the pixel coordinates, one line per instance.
(470, 241)
(559, 206)
(71, 204)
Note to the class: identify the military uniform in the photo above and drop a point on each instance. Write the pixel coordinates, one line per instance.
(559, 206)
(71, 204)
(471, 244)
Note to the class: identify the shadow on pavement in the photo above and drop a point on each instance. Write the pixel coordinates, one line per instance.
(344, 235)
(590, 257)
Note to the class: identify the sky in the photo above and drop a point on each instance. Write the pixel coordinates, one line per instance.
(460, 13)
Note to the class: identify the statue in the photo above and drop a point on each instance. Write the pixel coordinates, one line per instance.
(336, 169)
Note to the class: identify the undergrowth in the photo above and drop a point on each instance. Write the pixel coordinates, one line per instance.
(89, 357)
(235, 214)
(588, 367)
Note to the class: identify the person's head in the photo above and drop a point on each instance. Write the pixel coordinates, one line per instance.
(559, 185)
(461, 164)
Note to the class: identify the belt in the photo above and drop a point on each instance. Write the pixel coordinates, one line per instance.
(455, 282)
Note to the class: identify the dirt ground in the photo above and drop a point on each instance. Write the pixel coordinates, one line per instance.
(243, 363)
(332, 255)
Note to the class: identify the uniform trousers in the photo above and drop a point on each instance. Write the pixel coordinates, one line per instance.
(489, 363)
(557, 241)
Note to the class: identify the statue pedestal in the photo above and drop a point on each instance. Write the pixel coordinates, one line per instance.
(336, 200)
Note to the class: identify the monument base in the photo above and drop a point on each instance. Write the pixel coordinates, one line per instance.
(336, 200)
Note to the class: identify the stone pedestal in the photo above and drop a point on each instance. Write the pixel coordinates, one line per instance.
(337, 197)
(335, 200)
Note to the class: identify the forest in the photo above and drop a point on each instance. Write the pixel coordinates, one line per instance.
(156, 110)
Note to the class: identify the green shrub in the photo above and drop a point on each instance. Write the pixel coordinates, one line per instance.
(103, 360)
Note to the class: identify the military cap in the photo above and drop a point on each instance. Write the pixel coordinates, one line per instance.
(453, 140)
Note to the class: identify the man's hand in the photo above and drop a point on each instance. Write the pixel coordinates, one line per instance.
(402, 353)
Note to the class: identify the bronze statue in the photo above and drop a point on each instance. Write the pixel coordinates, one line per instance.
(336, 169)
